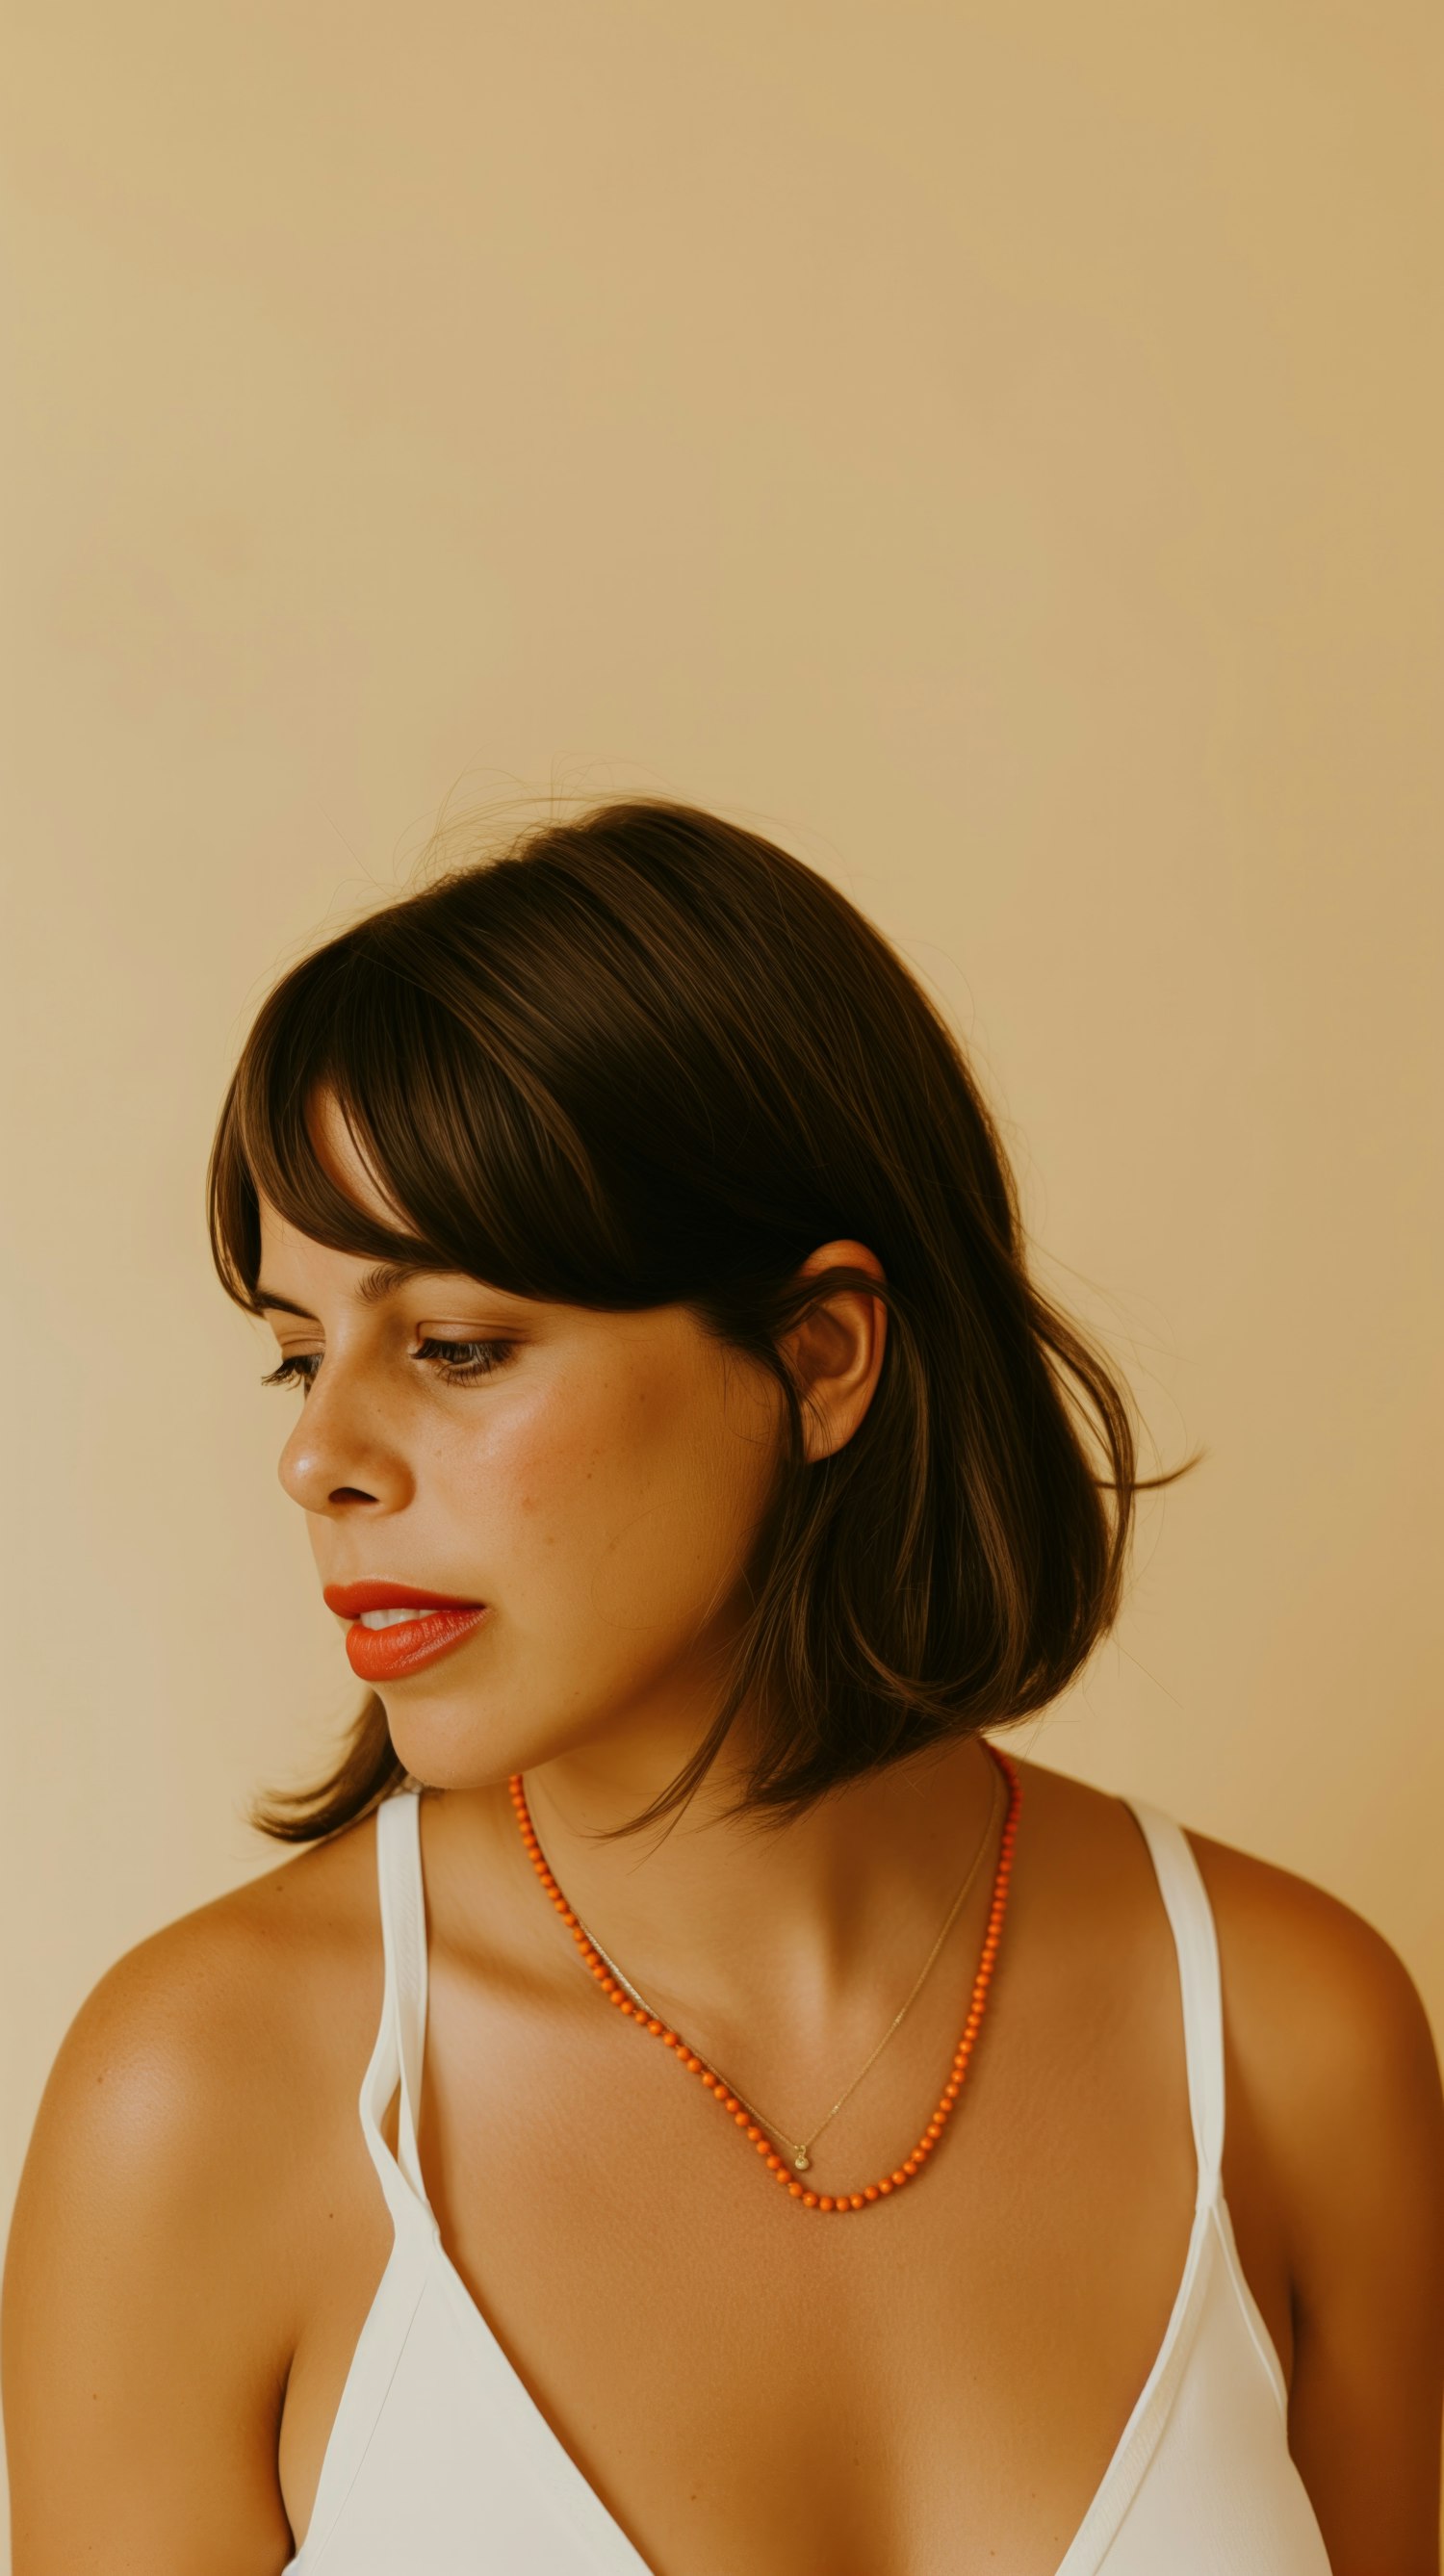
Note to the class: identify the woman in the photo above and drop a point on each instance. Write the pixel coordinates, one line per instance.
(696, 1474)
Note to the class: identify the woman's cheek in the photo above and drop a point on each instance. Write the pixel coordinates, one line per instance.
(544, 1498)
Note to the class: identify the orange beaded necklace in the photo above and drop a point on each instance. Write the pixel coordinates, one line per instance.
(776, 2165)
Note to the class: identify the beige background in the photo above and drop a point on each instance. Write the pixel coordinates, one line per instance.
(995, 450)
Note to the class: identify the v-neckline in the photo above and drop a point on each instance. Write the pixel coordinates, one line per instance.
(396, 2069)
(617, 2555)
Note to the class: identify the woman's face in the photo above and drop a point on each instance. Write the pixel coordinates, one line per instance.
(593, 1480)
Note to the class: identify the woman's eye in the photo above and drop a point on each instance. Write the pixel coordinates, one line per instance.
(458, 1363)
(297, 1370)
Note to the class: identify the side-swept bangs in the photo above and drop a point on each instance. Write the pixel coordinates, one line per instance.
(645, 1058)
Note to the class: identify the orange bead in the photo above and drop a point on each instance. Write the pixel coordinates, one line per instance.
(809, 2200)
(825, 2202)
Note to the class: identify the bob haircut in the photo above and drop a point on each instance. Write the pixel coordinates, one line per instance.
(645, 1057)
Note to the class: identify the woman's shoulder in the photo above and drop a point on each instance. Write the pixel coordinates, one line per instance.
(203, 2067)
(1333, 2076)
(190, 2037)
(196, 2152)
(1309, 1983)
(1330, 2039)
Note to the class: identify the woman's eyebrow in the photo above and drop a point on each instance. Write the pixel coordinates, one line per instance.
(375, 1285)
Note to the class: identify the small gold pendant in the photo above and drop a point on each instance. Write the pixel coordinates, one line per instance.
(802, 2161)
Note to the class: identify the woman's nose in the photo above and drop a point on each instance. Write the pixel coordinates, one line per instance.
(339, 1457)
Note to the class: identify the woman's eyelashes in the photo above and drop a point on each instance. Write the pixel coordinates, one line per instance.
(455, 1363)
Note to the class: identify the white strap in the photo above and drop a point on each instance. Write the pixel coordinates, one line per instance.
(401, 2039)
(403, 1926)
(1191, 1918)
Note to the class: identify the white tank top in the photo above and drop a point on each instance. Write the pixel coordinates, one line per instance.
(441, 2463)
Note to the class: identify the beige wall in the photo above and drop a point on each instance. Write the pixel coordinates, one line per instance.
(995, 449)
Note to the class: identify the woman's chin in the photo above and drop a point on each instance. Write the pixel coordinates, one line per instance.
(445, 1740)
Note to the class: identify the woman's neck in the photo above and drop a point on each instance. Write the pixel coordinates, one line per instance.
(734, 1926)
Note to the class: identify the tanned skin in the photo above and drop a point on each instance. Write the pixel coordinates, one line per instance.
(932, 2389)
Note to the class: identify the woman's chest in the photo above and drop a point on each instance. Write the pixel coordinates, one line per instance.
(937, 2382)
(925, 2392)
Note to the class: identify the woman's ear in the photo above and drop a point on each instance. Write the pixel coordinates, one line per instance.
(836, 1351)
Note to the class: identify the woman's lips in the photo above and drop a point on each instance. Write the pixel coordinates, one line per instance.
(385, 1654)
(402, 1645)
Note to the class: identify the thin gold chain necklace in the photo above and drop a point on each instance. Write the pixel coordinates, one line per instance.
(799, 2149)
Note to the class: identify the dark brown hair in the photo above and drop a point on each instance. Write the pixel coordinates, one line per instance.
(645, 1057)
